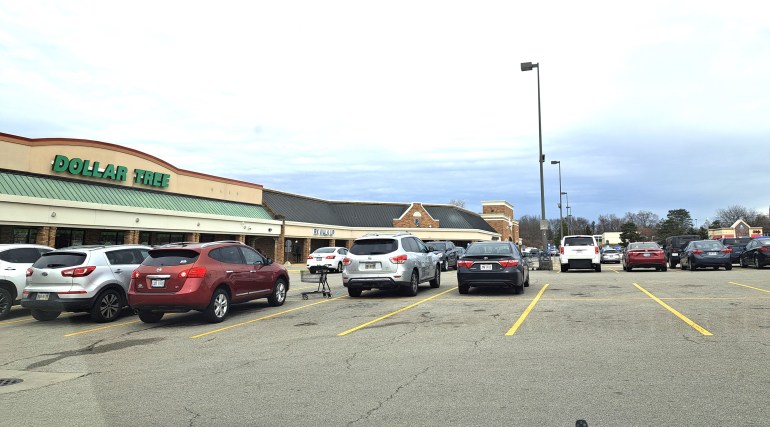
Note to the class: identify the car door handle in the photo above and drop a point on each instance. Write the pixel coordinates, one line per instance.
(229, 271)
(252, 271)
(118, 271)
(10, 269)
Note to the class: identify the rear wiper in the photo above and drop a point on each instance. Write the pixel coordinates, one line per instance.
(55, 265)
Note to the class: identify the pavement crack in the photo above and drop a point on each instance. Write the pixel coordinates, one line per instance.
(690, 339)
(389, 398)
(195, 416)
(92, 348)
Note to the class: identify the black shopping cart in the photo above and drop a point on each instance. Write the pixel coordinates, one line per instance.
(320, 278)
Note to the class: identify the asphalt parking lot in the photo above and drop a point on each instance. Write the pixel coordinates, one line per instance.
(613, 348)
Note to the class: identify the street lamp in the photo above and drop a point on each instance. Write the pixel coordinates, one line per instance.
(561, 216)
(528, 66)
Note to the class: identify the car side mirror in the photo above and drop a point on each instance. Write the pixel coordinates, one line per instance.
(268, 261)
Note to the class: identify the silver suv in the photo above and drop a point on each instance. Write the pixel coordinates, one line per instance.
(390, 261)
(15, 259)
(92, 279)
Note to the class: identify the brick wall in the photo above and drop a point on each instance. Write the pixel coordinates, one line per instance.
(498, 209)
(46, 236)
(408, 219)
(267, 246)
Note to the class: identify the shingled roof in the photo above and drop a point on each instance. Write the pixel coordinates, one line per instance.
(363, 214)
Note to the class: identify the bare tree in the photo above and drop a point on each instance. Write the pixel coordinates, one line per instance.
(729, 215)
(457, 202)
(609, 222)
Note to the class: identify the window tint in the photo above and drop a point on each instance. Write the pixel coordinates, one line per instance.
(578, 241)
(251, 256)
(60, 259)
(650, 245)
(342, 251)
(613, 251)
(489, 249)
(20, 255)
(410, 245)
(374, 246)
(164, 257)
(122, 257)
(763, 242)
(420, 245)
(712, 245)
(323, 251)
(739, 241)
(437, 246)
(227, 254)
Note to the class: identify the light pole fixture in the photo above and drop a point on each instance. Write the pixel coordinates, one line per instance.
(561, 216)
(528, 66)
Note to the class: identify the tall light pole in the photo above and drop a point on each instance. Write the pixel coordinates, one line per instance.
(528, 66)
(569, 215)
(561, 216)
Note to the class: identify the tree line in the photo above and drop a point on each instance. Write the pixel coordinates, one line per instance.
(640, 226)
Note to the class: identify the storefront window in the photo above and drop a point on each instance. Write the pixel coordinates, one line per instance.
(25, 235)
(69, 237)
(112, 237)
(144, 237)
(166, 238)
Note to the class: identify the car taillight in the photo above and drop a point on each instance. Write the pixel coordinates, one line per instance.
(78, 272)
(508, 262)
(310, 257)
(764, 249)
(25, 293)
(193, 273)
(561, 250)
(697, 252)
(346, 261)
(135, 274)
(29, 272)
(465, 263)
(596, 249)
(727, 250)
(329, 256)
(398, 259)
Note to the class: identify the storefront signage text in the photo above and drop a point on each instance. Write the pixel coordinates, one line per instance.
(322, 232)
(77, 166)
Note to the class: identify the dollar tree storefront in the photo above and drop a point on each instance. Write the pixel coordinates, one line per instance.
(64, 192)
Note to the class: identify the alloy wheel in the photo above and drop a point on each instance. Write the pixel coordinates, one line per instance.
(220, 305)
(109, 305)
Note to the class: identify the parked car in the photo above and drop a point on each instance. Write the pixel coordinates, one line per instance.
(329, 257)
(674, 245)
(644, 255)
(756, 253)
(610, 256)
(705, 253)
(447, 251)
(579, 252)
(496, 264)
(737, 245)
(207, 277)
(390, 261)
(15, 259)
(90, 279)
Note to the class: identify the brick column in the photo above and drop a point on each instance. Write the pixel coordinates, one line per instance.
(131, 237)
(46, 236)
(192, 237)
(242, 238)
(280, 255)
(305, 250)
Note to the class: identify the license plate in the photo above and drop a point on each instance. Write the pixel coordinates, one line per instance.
(369, 266)
(485, 266)
(42, 296)
(674, 253)
(318, 259)
(158, 283)
(646, 255)
(712, 253)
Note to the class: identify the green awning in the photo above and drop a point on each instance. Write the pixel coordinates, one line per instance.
(57, 189)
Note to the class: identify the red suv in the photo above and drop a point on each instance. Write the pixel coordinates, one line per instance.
(207, 277)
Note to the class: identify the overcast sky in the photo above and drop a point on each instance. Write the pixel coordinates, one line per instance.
(649, 105)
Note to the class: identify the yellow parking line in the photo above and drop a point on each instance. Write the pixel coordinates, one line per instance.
(342, 334)
(10, 322)
(114, 325)
(264, 317)
(676, 313)
(750, 287)
(524, 315)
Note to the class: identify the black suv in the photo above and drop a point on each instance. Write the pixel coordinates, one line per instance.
(447, 251)
(736, 245)
(674, 245)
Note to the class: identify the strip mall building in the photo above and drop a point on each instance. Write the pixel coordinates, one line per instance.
(64, 192)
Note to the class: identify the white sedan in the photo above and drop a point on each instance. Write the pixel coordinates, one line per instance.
(329, 257)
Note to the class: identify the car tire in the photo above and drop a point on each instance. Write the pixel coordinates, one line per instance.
(463, 289)
(445, 265)
(107, 306)
(436, 281)
(672, 264)
(756, 263)
(278, 296)
(339, 267)
(664, 267)
(692, 265)
(312, 270)
(526, 282)
(598, 268)
(354, 292)
(45, 316)
(629, 268)
(414, 285)
(728, 267)
(218, 307)
(147, 316)
(742, 262)
(6, 301)
(681, 266)
(564, 268)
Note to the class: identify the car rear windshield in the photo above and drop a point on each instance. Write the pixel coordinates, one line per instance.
(765, 242)
(60, 260)
(374, 246)
(489, 249)
(610, 251)
(578, 241)
(164, 257)
(437, 246)
(643, 246)
(323, 251)
(738, 241)
(713, 245)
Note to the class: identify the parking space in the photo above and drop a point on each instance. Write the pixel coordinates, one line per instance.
(622, 332)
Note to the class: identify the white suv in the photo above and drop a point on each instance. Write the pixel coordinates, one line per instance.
(390, 261)
(15, 259)
(579, 252)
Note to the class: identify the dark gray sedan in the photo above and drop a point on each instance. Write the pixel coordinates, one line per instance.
(705, 253)
(492, 264)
